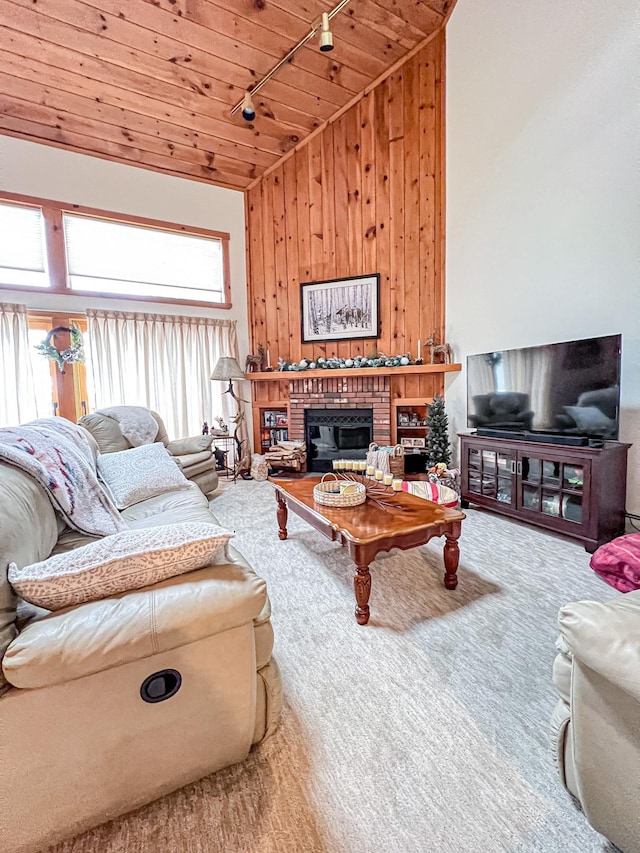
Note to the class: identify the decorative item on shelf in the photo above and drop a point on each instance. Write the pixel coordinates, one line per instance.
(254, 362)
(438, 349)
(205, 428)
(438, 445)
(73, 354)
(419, 356)
(222, 426)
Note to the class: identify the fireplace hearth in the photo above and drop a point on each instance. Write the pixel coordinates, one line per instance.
(336, 434)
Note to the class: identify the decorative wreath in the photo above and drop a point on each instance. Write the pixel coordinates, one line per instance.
(74, 354)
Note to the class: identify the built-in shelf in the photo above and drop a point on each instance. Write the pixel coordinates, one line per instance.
(288, 375)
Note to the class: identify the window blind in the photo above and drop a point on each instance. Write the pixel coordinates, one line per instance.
(22, 247)
(137, 260)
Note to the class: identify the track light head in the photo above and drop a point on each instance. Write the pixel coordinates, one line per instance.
(248, 109)
(326, 37)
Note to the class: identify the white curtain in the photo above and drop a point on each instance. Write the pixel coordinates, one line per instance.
(162, 362)
(17, 388)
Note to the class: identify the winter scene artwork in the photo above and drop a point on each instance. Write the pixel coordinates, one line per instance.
(340, 309)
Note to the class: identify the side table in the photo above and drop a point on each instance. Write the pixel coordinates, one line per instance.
(227, 444)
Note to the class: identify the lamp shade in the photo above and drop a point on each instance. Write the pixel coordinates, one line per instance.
(226, 369)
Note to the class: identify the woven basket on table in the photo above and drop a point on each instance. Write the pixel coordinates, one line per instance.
(396, 458)
(326, 494)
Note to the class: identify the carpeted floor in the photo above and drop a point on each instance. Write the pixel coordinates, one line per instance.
(427, 730)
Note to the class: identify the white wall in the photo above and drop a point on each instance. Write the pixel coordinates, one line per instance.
(543, 190)
(40, 170)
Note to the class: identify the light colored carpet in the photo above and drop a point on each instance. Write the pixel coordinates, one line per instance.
(427, 730)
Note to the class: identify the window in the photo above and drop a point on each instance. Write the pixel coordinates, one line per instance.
(111, 255)
(118, 258)
(22, 247)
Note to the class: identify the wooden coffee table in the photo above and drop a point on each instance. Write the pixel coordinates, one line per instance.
(368, 529)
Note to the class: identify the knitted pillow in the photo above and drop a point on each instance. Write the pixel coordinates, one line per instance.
(431, 492)
(123, 561)
(134, 475)
(618, 562)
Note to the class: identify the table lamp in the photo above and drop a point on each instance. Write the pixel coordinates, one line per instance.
(226, 370)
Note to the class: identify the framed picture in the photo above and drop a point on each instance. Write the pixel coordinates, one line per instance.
(419, 442)
(406, 442)
(341, 309)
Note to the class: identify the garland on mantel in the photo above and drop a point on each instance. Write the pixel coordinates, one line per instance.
(335, 363)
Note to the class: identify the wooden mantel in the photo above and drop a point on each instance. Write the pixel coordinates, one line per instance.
(326, 373)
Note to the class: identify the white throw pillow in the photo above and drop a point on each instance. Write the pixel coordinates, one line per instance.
(134, 475)
(118, 563)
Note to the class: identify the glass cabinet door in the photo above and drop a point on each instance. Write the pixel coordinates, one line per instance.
(551, 487)
(490, 473)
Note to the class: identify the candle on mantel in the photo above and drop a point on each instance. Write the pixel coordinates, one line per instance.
(418, 349)
(269, 358)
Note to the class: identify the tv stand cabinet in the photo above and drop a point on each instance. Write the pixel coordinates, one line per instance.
(577, 491)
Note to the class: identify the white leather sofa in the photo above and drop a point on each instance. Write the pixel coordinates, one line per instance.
(596, 723)
(79, 744)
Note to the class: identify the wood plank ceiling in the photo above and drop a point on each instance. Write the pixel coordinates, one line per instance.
(151, 83)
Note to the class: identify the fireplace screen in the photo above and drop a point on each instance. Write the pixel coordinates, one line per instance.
(336, 434)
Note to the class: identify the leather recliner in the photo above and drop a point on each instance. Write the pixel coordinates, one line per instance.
(194, 455)
(596, 723)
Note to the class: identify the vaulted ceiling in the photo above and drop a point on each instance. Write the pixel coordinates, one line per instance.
(151, 83)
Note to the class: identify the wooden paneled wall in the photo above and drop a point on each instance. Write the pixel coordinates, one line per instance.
(364, 195)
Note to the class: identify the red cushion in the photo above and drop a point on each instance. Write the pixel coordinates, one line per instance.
(431, 492)
(618, 562)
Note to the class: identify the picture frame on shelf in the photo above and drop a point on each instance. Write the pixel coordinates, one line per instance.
(406, 442)
(340, 309)
(403, 419)
(419, 442)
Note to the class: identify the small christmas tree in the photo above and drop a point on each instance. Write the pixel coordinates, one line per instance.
(438, 446)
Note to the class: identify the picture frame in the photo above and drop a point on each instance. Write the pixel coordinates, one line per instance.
(340, 309)
(406, 442)
(403, 419)
(419, 442)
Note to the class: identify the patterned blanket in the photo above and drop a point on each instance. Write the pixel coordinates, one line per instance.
(136, 423)
(58, 455)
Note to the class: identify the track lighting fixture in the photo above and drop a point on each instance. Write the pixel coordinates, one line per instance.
(326, 37)
(326, 44)
(248, 109)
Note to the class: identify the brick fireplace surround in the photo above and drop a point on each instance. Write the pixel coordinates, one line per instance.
(358, 392)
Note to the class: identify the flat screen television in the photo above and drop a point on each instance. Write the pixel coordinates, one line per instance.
(563, 389)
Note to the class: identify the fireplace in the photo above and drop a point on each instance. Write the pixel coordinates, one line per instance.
(336, 434)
